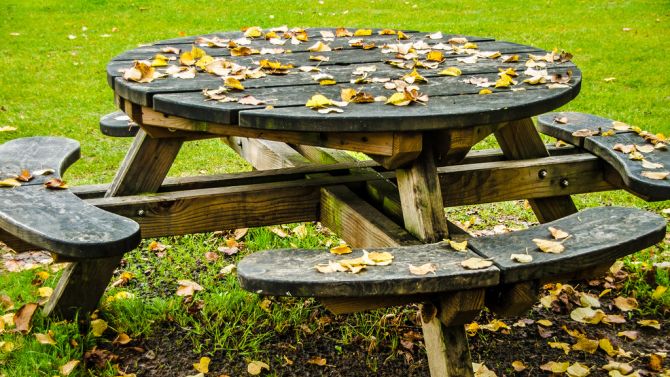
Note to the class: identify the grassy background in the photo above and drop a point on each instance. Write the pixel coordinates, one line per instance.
(53, 85)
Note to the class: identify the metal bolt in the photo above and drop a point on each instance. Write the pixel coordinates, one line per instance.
(140, 212)
(542, 174)
(564, 182)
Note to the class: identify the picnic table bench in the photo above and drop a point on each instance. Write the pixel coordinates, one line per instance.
(421, 162)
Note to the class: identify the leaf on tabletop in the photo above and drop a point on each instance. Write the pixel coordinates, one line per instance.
(414, 77)
(67, 368)
(250, 100)
(233, 83)
(25, 176)
(255, 367)
(243, 51)
(340, 249)
(561, 78)
(485, 91)
(141, 72)
(378, 258)
(9, 182)
(651, 165)
(636, 156)
(457, 40)
(318, 101)
(558, 234)
(650, 323)
(98, 327)
(646, 148)
(476, 263)
(423, 269)
(450, 71)
(328, 110)
(363, 32)
(549, 246)
(252, 32)
(188, 288)
(521, 258)
(342, 32)
(624, 148)
(23, 317)
(319, 58)
(509, 58)
(585, 132)
(469, 60)
(319, 47)
(202, 366)
(170, 50)
(330, 267)
(160, 61)
(620, 126)
(435, 56)
(458, 246)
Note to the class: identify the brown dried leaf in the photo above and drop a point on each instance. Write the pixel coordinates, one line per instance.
(23, 317)
(423, 269)
(630, 334)
(476, 263)
(255, 367)
(188, 288)
(548, 246)
(68, 367)
(317, 360)
(585, 132)
(250, 100)
(660, 175)
(625, 304)
(56, 184)
(45, 339)
(558, 234)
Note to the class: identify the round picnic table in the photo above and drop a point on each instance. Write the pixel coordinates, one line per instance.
(412, 101)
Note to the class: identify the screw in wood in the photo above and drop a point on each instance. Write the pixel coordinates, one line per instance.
(140, 212)
(564, 182)
(542, 174)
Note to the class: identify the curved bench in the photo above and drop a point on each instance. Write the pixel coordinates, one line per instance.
(564, 125)
(597, 236)
(118, 124)
(58, 221)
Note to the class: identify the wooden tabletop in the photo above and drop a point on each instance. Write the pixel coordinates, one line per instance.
(453, 101)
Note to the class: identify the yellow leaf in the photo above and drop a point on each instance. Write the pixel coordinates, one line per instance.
(509, 58)
(607, 346)
(578, 370)
(658, 292)
(122, 338)
(608, 133)
(423, 269)
(555, 367)
(558, 233)
(544, 322)
(504, 81)
(255, 367)
(459, 246)
(450, 71)
(68, 367)
(620, 126)
(586, 345)
(253, 32)
(317, 360)
(378, 258)
(340, 249)
(564, 346)
(319, 58)
(630, 335)
(318, 101)
(98, 327)
(402, 36)
(518, 366)
(342, 32)
(651, 165)
(656, 362)
(624, 368)
(233, 83)
(319, 47)
(327, 82)
(398, 99)
(414, 77)
(9, 182)
(485, 91)
(362, 32)
(472, 328)
(45, 292)
(625, 304)
(43, 275)
(45, 339)
(521, 258)
(435, 56)
(650, 323)
(548, 246)
(141, 71)
(476, 263)
(587, 315)
(202, 366)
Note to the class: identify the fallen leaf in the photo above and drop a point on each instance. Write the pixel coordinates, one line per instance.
(655, 175)
(318, 101)
(560, 345)
(607, 346)
(330, 267)
(10, 182)
(636, 156)
(450, 71)
(45, 339)
(98, 327)
(658, 292)
(476, 263)
(651, 165)
(229, 269)
(45, 292)
(188, 288)
(555, 367)
(23, 317)
(630, 334)
(255, 367)
(68, 367)
(25, 176)
(578, 370)
(655, 362)
(317, 360)
(56, 184)
(649, 323)
(340, 249)
(548, 246)
(202, 366)
(7, 128)
(586, 345)
(459, 246)
(544, 322)
(587, 315)
(363, 32)
(319, 47)
(521, 258)
(233, 83)
(558, 233)
(585, 132)
(625, 304)
(518, 366)
(485, 91)
(122, 339)
(250, 100)
(646, 148)
(423, 269)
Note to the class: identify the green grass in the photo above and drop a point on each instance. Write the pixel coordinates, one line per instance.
(52, 85)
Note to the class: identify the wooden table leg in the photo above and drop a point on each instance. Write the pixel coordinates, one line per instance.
(520, 140)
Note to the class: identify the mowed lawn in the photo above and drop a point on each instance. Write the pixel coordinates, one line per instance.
(52, 82)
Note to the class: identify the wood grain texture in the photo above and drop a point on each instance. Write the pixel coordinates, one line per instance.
(291, 272)
(598, 235)
(265, 154)
(37, 153)
(629, 171)
(520, 140)
(446, 347)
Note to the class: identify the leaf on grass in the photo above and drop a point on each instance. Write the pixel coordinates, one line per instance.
(23, 317)
(45, 292)
(188, 288)
(252, 32)
(660, 175)
(340, 249)
(625, 304)
(98, 327)
(56, 184)
(558, 233)
(7, 128)
(255, 367)
(122, 339)
(423, 269)
(45, 339)
(658, 292)
(202, 366)
(549, 246)
(476, 263)
(68, 367)
(649, 323)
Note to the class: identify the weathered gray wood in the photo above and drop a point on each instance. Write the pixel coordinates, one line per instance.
(265, 154)
(291, 272)
(627, 171)
(145, 166)
(37, 153)
(118, 124)
(80, 287)
(597, 235)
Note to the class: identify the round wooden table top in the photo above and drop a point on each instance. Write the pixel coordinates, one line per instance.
(433, 80)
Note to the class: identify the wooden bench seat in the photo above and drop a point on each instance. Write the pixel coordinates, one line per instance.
(563, 125)
(597, 236)
(58, 221)
(118, 124)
